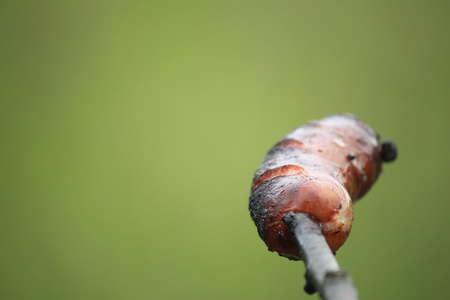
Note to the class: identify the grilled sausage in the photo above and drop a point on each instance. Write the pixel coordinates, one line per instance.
(319, 169)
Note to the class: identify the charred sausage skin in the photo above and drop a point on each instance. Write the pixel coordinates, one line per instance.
(320, 169)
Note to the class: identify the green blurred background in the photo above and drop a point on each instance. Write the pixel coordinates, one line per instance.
(130, 132)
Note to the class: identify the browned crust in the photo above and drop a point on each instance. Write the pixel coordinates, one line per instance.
(281, 171)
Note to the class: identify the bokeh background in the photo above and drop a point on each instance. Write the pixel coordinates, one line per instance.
(130, 132)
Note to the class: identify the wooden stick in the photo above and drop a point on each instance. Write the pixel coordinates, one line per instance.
(323, 273)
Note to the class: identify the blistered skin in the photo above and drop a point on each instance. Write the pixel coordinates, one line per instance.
(319, 169)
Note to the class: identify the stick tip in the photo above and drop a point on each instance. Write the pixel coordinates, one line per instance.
(288, 218)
